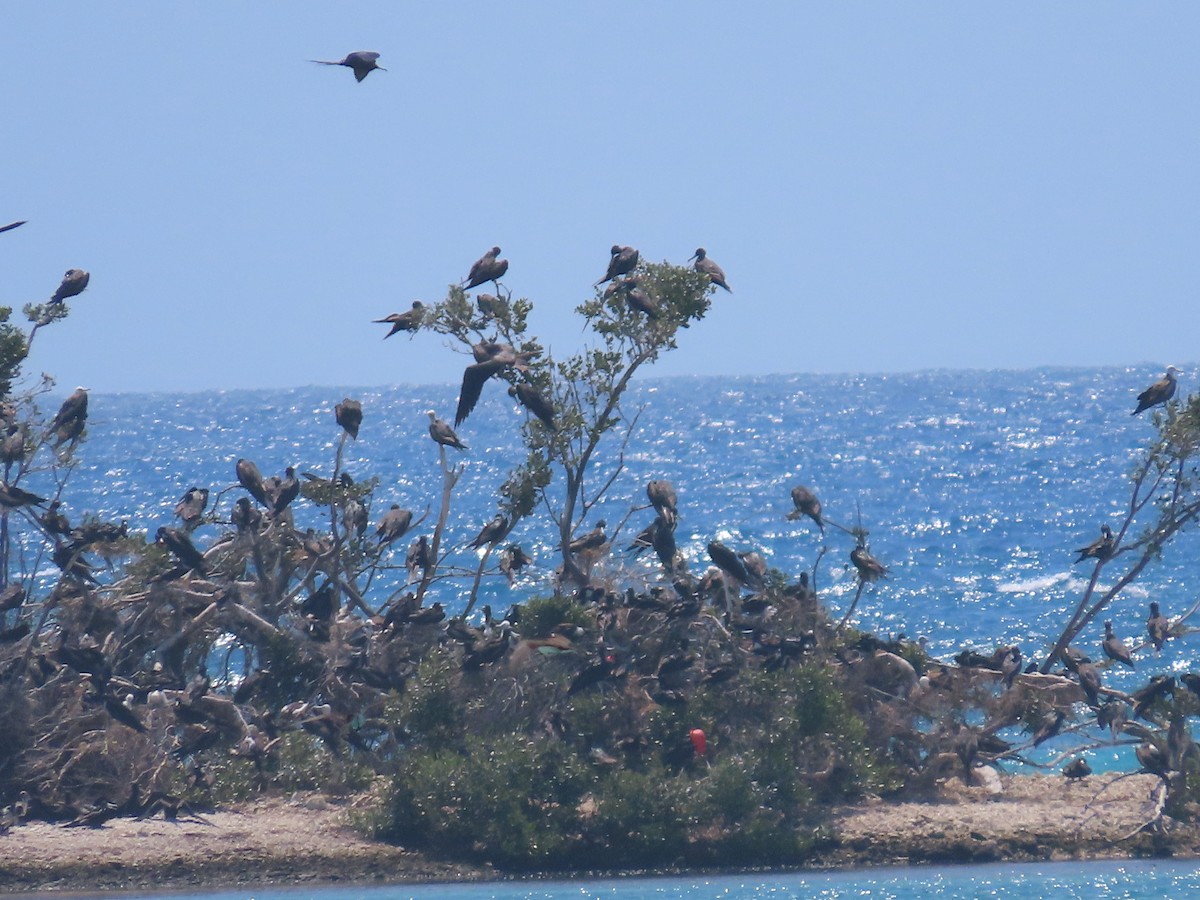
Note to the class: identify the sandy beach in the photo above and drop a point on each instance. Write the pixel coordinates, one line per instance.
(307, 839)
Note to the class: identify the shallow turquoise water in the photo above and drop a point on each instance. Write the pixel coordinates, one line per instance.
(1087, 881)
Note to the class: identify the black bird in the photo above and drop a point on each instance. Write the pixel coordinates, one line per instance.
(12, 448)
(492, 533)
(512, 560)
(13, 497)
(1100, 549)
(11, 225)
(183, 548)
(348, 414)
(362, 62)
(732, 564)
(869, 568)
(244, 516)
(591, 542)
(419, 558)
(1089, 680)
(288, 490)
(251, 479)
(1010, 664)
(661, 494)
(624, 260)
(1114, 648)
(1153, 759)
(1158, 393)
(529, 397)
(71, 417)
(635, 298)
(1050, 725)
(410, 320)
(72, 285)
(486, 268)
(706, 266)
(394, 523)
(191, 506)
(645, 539)
(806, 504)
(443, 433)
(665, 549)
(1157, 688)
(1158, 627)
(1077, 768)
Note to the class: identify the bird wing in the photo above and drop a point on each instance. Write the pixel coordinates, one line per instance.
(474, 378)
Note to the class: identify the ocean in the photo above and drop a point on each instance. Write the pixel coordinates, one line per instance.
(977, 489)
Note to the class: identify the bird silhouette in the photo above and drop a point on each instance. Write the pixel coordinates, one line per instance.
(73, 284)
(1100, 549)
(706, 266)
(349, 414)
(443, 433)
(1159, 392)
(623, 261)
(806, 504)
(409, 320)
(486, 268)
(361, 62)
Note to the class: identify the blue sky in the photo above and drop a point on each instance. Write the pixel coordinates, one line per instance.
(889, 187)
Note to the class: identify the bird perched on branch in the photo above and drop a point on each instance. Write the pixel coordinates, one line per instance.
(869, 568)
(486, 268)
(1114, 648)
(1158, 627)
(529, 397)
(251, 479)
(394, 523)
(661, 494)
(443, 433)
(348, 414)
(623, 261)
(191, 506)
(71, 417)
(806, 504)
(13, 497)
(182, 547)
(1100, 549)
(73, 284)
(492, 533)
(409, 320)
(361, 62)
(706, 266)
(733, 565)
(1159, 392)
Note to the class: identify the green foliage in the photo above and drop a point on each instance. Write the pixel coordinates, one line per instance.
(541, 614)
(430, 711)
(14, 348)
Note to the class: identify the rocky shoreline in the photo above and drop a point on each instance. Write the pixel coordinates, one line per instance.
(307, 839)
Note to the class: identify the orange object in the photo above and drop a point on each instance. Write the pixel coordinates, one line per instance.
(699, 741)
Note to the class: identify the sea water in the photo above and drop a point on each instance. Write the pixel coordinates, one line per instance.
(976, 487)
(1150, 880)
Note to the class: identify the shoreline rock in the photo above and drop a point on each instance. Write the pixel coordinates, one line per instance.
(306, 840)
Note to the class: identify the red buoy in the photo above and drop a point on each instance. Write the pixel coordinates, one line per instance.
(699, 741)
